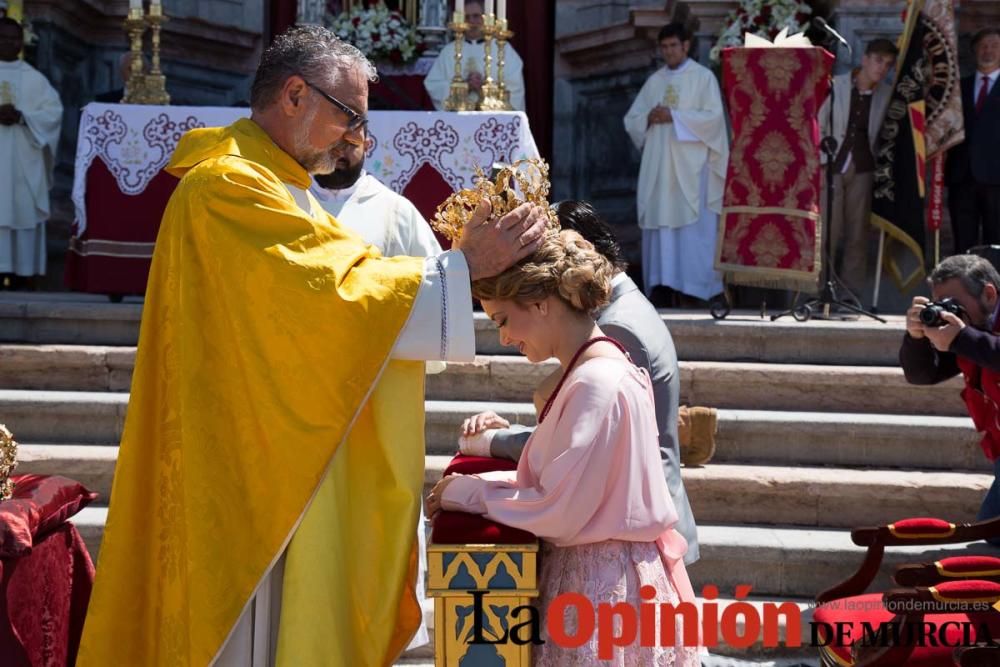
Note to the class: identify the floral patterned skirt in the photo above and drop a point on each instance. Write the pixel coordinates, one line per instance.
(607, 572)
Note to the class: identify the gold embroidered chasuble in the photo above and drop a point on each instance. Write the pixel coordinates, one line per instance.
(264, 413)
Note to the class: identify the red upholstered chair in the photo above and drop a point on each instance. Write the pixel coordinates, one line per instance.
(960, 590)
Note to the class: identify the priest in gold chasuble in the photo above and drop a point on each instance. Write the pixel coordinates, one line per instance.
(266, 490)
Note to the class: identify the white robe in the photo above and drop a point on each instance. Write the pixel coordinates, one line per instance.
(27, 158)
(438, 80)
(387, 220)
(391, 223)
(253, 641)
(681, 177)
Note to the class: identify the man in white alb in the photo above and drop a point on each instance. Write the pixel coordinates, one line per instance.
(30, 120)
(677, 122)
(438, 81)
(392, 224)
(383, 218)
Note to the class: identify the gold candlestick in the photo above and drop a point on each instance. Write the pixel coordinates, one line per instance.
(458, 95)
(503, 35)
(489, 99)
(156, 83)
(135, 87)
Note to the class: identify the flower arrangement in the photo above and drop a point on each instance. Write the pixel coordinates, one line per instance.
(761, 17)
(380, 33)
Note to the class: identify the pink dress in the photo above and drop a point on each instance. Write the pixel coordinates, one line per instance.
(590, 485)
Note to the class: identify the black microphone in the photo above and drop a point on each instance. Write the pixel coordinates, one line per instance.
(823, 25)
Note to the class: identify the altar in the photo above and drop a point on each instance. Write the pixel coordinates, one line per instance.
(120, 189)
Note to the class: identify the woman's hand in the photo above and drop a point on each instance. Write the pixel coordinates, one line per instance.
(433, 503)
(484, 420)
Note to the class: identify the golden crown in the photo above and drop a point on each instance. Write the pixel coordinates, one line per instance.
(8, 461)
(521, 182)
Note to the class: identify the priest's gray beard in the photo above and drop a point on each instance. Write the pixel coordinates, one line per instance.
(314, 161)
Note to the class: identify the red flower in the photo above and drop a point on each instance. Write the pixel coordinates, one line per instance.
(376, 37)
(356, 21)
(396, 56)
(765, 10)
(758, 20)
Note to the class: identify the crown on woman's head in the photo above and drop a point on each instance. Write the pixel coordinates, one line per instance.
(521, 182)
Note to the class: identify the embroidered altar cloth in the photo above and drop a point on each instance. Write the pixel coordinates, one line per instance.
(770, 230)
(120, 189)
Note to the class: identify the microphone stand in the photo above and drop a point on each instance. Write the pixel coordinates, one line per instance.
(828, 279)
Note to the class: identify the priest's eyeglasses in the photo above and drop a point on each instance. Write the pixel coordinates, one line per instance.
(355, 121)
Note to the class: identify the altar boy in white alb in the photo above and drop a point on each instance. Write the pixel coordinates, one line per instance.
(677, 122)
(30, 119)
(438, 81)
(387, 220)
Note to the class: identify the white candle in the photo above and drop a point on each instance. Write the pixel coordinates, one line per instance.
(502, 10)
(135, 4)
(460, 7)
(489, 7)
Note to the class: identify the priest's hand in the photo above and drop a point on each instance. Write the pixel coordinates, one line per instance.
(491, 246)
(433, 504)
(9, 115)
(659, 115)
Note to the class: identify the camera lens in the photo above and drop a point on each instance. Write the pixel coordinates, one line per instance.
(931, 315)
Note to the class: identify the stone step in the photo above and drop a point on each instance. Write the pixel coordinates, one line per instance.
(757, 495)
(744, 436)
(743, 336)
(779, 561)
(816, 497)
(741, 385)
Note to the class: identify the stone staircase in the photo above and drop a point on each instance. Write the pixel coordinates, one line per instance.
(818, 430)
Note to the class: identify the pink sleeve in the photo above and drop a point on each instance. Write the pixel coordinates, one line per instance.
(464, 493)
(571, 485)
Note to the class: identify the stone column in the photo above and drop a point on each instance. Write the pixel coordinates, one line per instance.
(311, 11)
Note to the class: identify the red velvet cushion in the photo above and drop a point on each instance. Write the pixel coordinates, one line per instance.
(969, 567)
(975, 589)
(869, 608)
(462, 528)
(472, 465)
(39, 504)
(921, 527)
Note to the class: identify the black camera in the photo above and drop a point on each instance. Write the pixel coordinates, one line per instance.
(930, 315)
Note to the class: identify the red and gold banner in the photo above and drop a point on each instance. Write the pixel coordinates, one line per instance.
(769, 230)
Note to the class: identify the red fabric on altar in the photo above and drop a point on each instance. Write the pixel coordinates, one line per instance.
(43, 600)
(770, 223)
(113, 255)
(399, 92)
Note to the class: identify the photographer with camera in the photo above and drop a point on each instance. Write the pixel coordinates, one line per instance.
(959, 332)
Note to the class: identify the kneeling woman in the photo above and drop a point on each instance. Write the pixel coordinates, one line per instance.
(589, 483)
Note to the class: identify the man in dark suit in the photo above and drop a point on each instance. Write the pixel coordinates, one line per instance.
(973, 168)
(632, 320)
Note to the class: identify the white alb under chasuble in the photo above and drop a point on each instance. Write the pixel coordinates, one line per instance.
(27, 158)
(681, 177)
(438, 81)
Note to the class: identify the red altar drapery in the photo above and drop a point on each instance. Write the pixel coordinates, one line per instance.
(770, 223)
